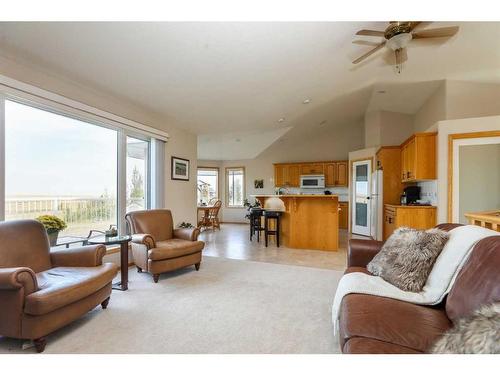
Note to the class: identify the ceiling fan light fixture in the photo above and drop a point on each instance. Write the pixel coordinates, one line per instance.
(399, 41)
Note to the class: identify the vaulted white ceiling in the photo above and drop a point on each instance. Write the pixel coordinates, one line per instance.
(230, 79)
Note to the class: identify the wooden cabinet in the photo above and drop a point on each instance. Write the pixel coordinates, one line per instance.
(312, 168)
(417, 217)
(418, 157)
(330, 173)
(342, 173)
(388, 159)
(343, 214)
(336, 174)
(288, 174)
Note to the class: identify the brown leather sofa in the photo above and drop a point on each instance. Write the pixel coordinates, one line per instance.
(40, 290)
(377, 325)
(157, 247)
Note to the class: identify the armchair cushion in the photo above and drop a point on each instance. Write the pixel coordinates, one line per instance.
(174, 248)
(188, 234)
(361, 252)
(17, 278)
(144, 239)
(62, 286)
(85, 256)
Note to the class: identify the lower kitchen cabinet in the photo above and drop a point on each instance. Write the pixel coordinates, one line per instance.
(416, 217)
(343, 214)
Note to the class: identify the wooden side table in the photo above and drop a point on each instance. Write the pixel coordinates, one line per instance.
(123, 241)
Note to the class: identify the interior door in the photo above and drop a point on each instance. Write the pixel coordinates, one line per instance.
(361, 209)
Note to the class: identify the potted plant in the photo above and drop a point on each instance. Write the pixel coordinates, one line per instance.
(250, 206)
(53, 225)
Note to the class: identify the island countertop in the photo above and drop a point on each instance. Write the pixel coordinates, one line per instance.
(295, 196)
(309, 221)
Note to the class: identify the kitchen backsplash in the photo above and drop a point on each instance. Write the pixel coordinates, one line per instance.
(428, 192)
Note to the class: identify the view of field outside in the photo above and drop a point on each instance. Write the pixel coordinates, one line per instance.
(68, 168)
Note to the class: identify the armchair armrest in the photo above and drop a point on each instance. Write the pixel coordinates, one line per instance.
(144, 239)
(188, 234)
(17, 278)
(361, 252)
(84, 256)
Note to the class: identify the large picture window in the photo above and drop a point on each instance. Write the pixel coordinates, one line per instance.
(208, 185)
(59, 166)
(87, 170)
(235, 186)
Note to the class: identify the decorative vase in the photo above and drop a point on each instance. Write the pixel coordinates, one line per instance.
(53, 238)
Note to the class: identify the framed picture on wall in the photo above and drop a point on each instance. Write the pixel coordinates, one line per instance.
(180, 169)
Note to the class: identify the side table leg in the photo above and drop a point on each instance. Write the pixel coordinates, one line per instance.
(123, 284)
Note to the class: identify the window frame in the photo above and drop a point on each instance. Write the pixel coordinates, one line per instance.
(243, 192)
(218, 179)
(43, 100)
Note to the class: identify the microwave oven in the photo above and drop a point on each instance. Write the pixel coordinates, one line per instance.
(312, 181)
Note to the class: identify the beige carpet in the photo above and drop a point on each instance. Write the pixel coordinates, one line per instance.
(229, 306)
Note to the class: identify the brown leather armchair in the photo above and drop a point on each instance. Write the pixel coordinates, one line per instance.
(42, 291)
(157, 247)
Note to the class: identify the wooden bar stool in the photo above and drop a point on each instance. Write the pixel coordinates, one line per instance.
(268, 217)
(256, 222)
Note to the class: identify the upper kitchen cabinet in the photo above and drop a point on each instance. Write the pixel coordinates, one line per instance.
(312, 168)
(336, 173)
(418, 157)
(288, 174)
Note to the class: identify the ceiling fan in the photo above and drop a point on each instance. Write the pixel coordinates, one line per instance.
(399, 34)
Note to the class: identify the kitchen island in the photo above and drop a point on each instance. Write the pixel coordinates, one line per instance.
(308, 221)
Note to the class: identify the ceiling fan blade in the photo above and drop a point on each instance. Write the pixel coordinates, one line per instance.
(370, 32)
(372, 51)
(435, 33)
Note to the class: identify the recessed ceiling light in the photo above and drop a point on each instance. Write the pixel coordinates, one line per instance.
(381, 92)
(306, 101)
(323, 122)
(281, 119)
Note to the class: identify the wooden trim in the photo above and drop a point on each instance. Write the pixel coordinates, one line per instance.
(351, 187)
(226, 198)
(451, 139)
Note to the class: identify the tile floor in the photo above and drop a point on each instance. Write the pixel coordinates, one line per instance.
(233, 242)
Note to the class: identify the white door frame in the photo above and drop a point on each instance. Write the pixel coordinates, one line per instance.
(356, 229)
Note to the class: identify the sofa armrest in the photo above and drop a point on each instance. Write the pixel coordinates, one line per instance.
(361, 252)
(17, 278)
(144, 239)
(188, 234)
(84, 256)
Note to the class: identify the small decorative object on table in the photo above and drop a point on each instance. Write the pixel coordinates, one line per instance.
(180, 169)
(186, 225)
(112, 231)
(53, 225)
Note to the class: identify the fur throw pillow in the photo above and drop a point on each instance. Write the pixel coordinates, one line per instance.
(476, 334)
(407, 257)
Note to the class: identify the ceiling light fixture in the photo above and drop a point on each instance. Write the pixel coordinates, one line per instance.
(306, 101)
(322, 123)
(281, 119)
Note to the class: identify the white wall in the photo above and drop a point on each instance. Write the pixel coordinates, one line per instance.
(479, 175)
(445, 128)
(179, 196)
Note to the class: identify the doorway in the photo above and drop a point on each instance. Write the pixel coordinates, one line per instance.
(361, 209)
